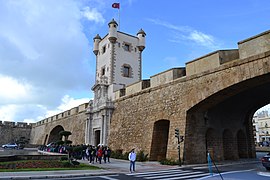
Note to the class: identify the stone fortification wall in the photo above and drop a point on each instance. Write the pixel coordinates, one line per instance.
(174, 94)
(10, 131)
(73, 120)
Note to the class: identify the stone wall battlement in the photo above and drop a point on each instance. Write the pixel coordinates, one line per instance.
(71, 112)
(16, 124)
(201, 65)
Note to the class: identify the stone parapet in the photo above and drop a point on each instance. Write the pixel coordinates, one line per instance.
(136, 87)
(254, 45)
(211, 61)
(156, 80)
(71, 112)
(16, 124)
(167, 76)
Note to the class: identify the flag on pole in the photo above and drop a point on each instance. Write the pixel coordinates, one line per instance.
(116, 5)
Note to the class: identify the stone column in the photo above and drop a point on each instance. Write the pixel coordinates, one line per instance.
(106, 128)
(86, 140)
(102, 138)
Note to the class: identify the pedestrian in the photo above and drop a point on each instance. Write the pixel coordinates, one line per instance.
(87, 151)
(109, 154)
(105, 154)
(132, 159)
(99, 154)
(93, 155)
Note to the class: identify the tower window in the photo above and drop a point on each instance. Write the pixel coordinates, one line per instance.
(126, 70)
(126, 47)
(102, 71)
(104, 49)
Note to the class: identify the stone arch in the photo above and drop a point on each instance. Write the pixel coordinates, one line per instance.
(229, 149)
(54, 134)
(159, 140)
(242, 144)
(213, 145)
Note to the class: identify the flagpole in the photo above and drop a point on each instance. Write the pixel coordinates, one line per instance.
(119, 16)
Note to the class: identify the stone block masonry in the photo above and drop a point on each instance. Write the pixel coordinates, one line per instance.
(10, 131)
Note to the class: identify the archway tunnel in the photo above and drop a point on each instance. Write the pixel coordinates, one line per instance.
(222, 123)
(54, 134)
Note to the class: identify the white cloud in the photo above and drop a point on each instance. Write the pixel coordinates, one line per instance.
(93, 15)
(203, 39)
(44, 55)
(186, 33)
(12, 90)
(67, 103)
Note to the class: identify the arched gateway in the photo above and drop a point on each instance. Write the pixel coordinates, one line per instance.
(54, 134)
(211, 101)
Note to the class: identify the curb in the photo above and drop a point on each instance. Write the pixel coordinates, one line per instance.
(57, 176)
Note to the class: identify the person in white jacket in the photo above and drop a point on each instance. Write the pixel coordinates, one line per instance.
(132, 159)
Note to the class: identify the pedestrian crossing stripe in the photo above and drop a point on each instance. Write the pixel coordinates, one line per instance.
(155, 172)
(172, 174)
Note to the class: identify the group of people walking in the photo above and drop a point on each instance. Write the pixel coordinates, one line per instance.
(96, 154)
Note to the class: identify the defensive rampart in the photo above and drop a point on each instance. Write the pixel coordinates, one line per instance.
(73, 120)
(11, 131)
(211, 101)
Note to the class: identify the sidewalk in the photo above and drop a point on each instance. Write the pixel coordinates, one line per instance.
(116, 166)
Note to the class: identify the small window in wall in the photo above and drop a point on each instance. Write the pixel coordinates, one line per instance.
(103, 71)
(126, 70)
(104, 49)
(126, 47)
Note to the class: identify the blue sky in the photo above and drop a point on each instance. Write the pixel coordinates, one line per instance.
(47, 64)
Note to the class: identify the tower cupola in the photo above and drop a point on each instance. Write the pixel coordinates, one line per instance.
(113, 31)
(141, 43)
(97, 39)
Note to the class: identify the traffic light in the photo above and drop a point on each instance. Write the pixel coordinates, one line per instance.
(176, 132)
